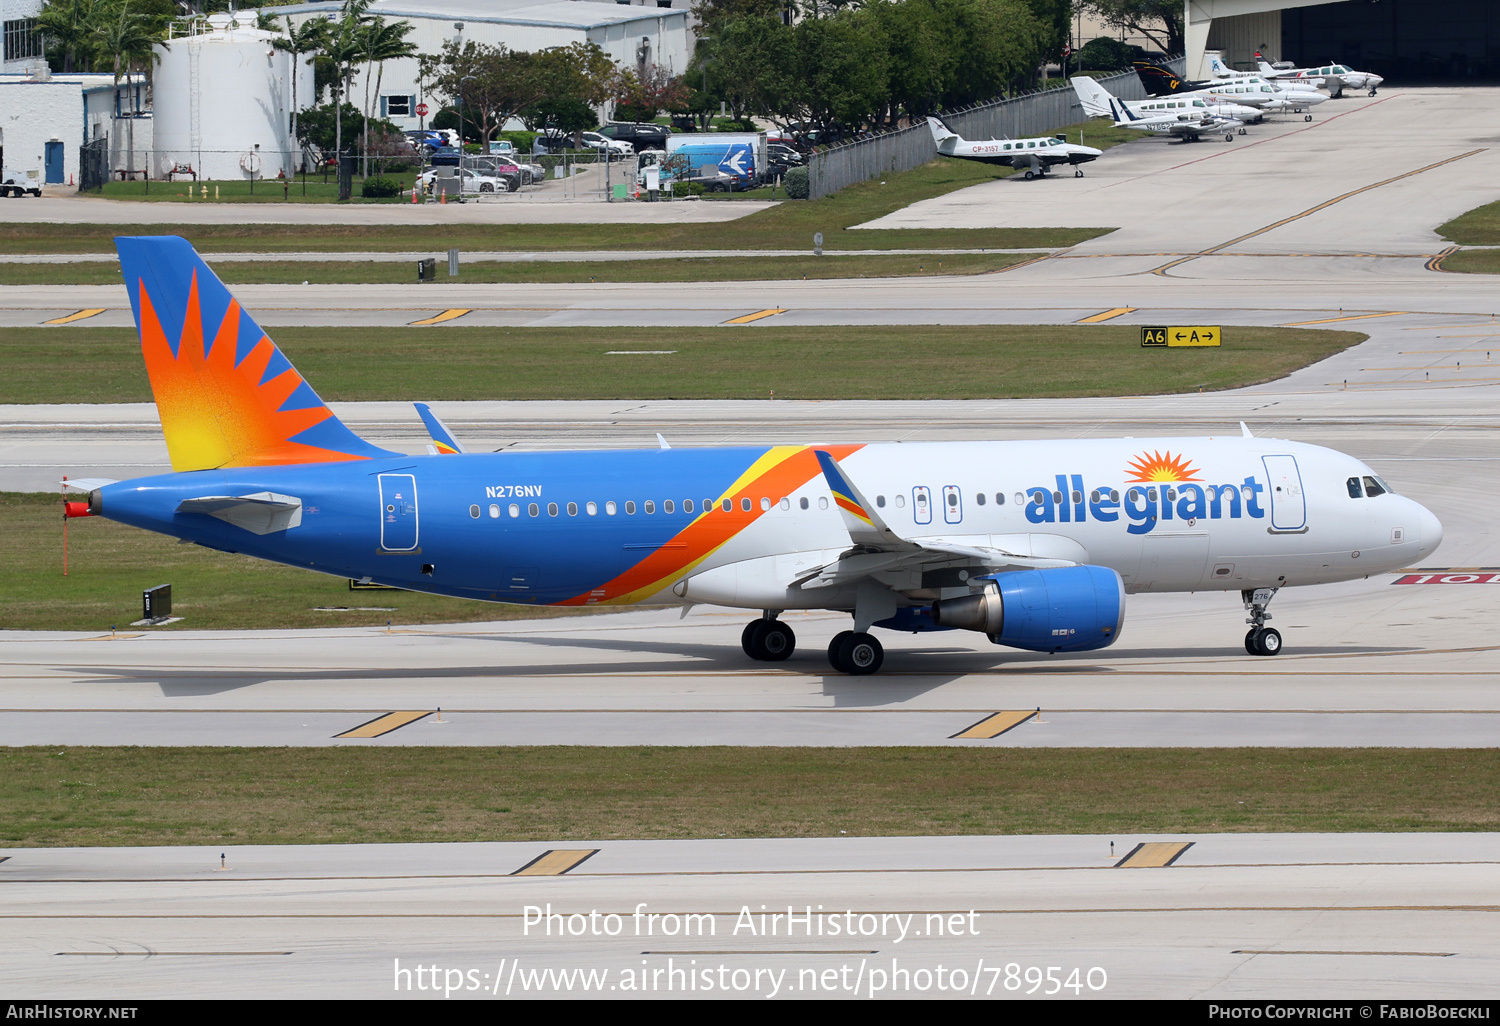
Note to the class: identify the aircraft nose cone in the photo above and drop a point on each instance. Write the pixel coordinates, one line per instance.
(1429, 530)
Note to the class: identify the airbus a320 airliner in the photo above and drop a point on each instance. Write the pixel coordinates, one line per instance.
(1033, 543)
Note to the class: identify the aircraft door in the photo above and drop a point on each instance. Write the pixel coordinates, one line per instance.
(921, 502)
(1288, 504)
(398, 512)
(953, 504)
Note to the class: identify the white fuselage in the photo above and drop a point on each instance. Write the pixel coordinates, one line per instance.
(1167, 514)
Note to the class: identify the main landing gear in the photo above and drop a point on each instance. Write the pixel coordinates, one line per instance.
(855, 652)
(1229, 137)
(1307, 117)
(768, 639)
(1078, 172)
(1261, 640)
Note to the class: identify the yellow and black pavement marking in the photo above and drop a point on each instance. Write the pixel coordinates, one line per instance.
(81, 315)
(1153, 854)
(1436, 263)
(446, 315)
(1107, 315)
(385, 723)
(758, 315)
(996, 724)
(556, 862)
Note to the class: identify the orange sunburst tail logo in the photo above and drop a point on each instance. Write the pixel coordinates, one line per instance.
(1157, 466)
(227, 396)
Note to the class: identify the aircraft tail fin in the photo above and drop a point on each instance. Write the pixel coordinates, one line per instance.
(941, 133)
(443, 440)
(1092, 96)
(1159, 81)
(226, 395)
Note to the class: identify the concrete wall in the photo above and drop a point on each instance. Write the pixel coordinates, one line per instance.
(32, 114)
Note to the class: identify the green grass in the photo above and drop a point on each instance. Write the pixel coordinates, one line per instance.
(302, 189)
(1478, 227)
(109, 564)
(1474, 261)
(339, 272)
(103, 365)
(145, 796)
(788, 225)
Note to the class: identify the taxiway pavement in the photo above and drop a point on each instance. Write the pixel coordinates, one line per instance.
(1365, 916)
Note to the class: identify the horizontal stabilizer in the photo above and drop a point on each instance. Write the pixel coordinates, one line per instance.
(87, 484)
(258, 513)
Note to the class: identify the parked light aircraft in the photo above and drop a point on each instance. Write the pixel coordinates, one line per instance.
(1035, 155)
(1252, 92)
(1333, 77)
(1033, 543)
(1187, 125)
(1095, 100)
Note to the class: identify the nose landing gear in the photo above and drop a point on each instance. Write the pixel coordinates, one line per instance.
(768, 640)
(1261, 640)
(1078, 172)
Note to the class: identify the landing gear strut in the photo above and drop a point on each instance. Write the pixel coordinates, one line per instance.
(768, 639)
(1261, 640)
(855, 652)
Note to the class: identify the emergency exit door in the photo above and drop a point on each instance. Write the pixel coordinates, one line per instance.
(398, 512)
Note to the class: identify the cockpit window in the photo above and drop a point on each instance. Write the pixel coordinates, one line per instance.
(1354, 490)
(1373, 487)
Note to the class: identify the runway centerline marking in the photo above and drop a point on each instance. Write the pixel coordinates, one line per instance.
(556, 862)
(384, 724)
(1154, 854)
(81, 315)
(1213, 250)
(1107, 315)
(446, 315)
(995, 725)
(758, 315)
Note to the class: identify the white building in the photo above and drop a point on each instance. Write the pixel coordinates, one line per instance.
(44, 118)
(629, 34)
(22, 43)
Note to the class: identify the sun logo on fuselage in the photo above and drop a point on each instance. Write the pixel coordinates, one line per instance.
(1157, 466)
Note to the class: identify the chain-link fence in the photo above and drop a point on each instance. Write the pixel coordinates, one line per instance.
(93, 164)
(1033, 114)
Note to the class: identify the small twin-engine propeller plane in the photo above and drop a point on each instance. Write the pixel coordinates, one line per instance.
(1037, 156)
(1333, 77)
(1188, 125)
(1034, 544)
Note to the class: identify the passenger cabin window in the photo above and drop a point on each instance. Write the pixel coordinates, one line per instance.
(786, 503)
(728, 506)
(880, 501)
(802, 502)
(667, 507)
(534, 509)
(592, 508)
(999, 498)
(900, 502)
(474, 512)
(1372, 487)
(609, 507)
(650, 506)
(552, 509)
(822, 502)
(745, 504)
(979, 498)
(687, 505)
(494, 511)
(1354, 492)
(630, 509)
(572, 509)
(515, 510)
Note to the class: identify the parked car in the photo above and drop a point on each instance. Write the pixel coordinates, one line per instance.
(781, 153)
(554, 141)
(473, 181)
(640, 135)
(500, 166)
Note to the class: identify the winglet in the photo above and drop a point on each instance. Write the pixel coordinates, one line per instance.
(1244, 431)
(864, 523)
(442, 439)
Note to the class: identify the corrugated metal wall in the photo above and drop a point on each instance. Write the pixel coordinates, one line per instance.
(1240, 36)
(1018, 117)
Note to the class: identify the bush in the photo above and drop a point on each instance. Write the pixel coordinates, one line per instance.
(798, 185)
(687, 189)
(1106, 54)
(381, 187)
(522, 141)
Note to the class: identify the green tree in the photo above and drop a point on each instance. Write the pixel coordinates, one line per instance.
(301, 41)
(69, 27)
(126, 39)
(921, 60)
(750, 64)
(641, 97)
(840, 72)
(344, 46)
(381, 41)
(489, 84)
(1158, 20)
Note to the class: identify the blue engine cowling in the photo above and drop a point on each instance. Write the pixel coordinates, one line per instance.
(1066, 609)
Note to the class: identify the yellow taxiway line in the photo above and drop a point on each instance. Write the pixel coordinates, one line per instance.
(446, 315)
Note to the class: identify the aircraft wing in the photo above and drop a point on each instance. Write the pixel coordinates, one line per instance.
(878, 549)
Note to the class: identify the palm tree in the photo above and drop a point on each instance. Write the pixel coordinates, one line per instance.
(69, 25)
(308, 38)
(342, 45)
(127, 38)
(382, 42)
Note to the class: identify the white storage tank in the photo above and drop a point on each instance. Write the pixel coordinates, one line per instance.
(222, 104)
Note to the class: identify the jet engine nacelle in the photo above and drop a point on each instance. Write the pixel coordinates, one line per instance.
(1065, 609)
